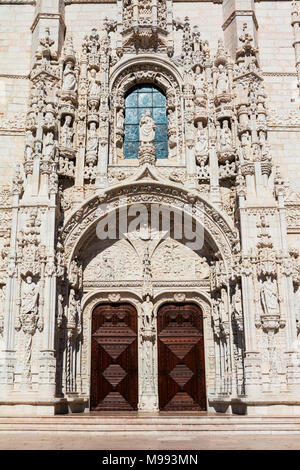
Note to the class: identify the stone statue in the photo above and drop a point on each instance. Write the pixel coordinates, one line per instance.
(49, 146)
(269, 297)
(147, 128)
(29, 144)
(120, 119)
(147, 314)
(69, 78)
(92, 141)
(201, 146)
(246, 146)
(30, 296)
(222, 80)
(199, 82)
(93, 84)
(67, 132)
(226, 136)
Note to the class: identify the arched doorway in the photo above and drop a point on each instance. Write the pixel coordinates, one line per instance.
(114, 359)
(181, 367)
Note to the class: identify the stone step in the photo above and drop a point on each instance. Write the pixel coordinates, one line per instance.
(144, 424)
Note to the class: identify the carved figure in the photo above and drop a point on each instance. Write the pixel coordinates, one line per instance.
(269, 297)
(222, 80)
(69, 78)
(147, 128)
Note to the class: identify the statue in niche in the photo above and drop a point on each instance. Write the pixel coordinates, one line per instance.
(30, 295)
(226, 136)
(60, 310)
(72, 312)
(67, 132)
(120, 119)
(147, 314)
(94, 89)
(29, 145)
(199, 82)
(246, 145)
(69, 78)
(201, 146)
(49, 146)
(49, 116)
(92, 141)
(222, 80)
(269, 297)
(147, 128)
(74, 273)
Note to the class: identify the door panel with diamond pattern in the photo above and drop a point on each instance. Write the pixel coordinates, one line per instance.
(114, 368)
(181, 371)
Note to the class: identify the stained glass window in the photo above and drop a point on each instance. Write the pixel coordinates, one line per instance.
(137, 101)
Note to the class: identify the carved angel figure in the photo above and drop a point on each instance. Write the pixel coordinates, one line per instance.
(147, 128)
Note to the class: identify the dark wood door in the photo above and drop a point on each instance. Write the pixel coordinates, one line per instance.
(181, 370)
(114, 363)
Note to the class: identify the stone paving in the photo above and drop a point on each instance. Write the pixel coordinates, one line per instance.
(153, 441)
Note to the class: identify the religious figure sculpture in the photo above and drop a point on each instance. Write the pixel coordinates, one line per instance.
(29, 144)
(222, 80)
(49, 146)
(69, 78)
(67, 132)
(201, 146)
(226, 136)
(147, 128)
(120, 119)
(199, 82)
(147, 314)
(93, 84)
(269, 297)
(30, 296)
(92, 143)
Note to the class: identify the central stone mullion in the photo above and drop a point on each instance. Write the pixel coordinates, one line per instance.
(148, 372)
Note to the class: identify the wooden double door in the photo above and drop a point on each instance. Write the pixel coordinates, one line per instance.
(114, 361)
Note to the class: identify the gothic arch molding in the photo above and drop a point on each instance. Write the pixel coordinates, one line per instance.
(84, 219)
(135, 69)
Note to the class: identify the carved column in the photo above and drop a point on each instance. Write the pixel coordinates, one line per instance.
(148, 399)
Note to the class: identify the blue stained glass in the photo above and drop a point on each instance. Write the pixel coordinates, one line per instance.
(131, 149)
(131, 133)
(159, 100)
(145, 100)
(140, 99)
(131, 100)
(161, 149)
(159, 115)
(131, 116)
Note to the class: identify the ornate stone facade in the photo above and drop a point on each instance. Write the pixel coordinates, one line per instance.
(225, 175)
